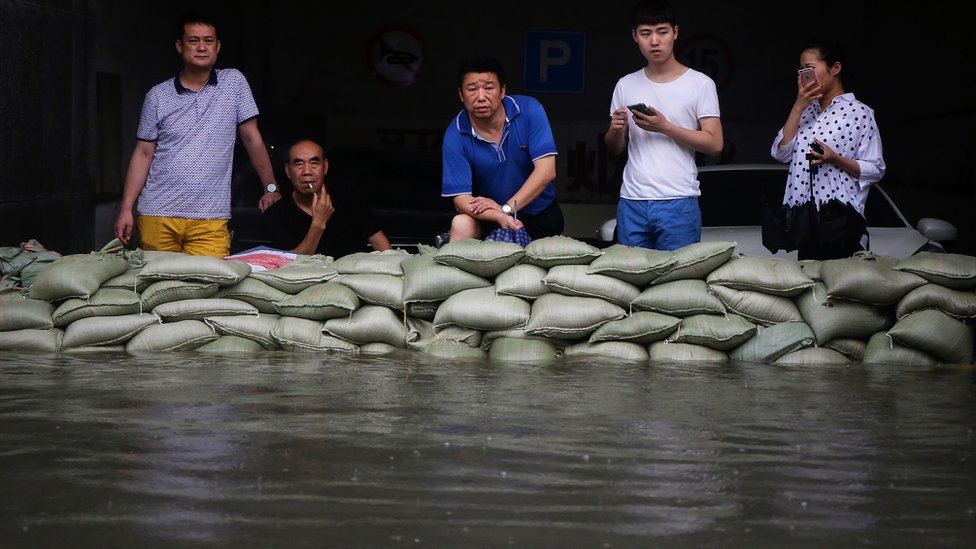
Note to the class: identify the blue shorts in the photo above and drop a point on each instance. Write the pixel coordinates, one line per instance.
(658, 224)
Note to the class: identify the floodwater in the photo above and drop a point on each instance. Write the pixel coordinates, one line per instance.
(311, 450)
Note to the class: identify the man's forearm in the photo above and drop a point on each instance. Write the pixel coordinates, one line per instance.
(138, 172)
(616, 141)
(260, 160)
(310, 243)
(538, 180)
(697, 140)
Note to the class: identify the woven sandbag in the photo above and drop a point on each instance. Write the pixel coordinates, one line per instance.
(259, 294)
(185, 335)
(721, 333)
(167, 291)
(757, 307)
(116, 349)
(469, 337)
(488, 338)
(105, 302)
(231, 345)
(663, 351)
(813, 356)
(299, 275)
(40, 341)
(425, 280)
(77, 276)
(832, 319)
(882, 350)
(573, 280)
(696, 261)
(369, 324)
(759, 274)
(425, 310)
(320, 302)
(680, 298)
(482, 258)
(510, 349)
(453, 350)
(386, 262)
(482, 309)
(954, 271)
(129, 280)
(106, 330)
(256, 328)
(617, 350)
(638, 266)
(377, 349)
(811, 268)
(932, 296)
(867, 278)
(936, 333)
(302, 335)
(641, 328)
(383, 290)
(551, 251)
(771, 343)
(19, 312)
(20, 265)
(198, 309)
(523, 281)
(195, 267)
(851, 348)
(565, 317)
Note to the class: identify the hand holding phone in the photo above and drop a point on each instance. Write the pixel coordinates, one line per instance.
(806, 76)
(642, 108)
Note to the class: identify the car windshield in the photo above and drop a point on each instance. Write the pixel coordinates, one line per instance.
(736, 197)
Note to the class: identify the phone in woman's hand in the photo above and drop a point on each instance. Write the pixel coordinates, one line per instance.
(806, 76)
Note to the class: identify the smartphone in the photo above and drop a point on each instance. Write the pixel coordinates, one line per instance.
(641, 108)
(806, 76)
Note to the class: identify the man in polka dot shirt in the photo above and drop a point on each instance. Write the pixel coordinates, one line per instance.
(180, 170)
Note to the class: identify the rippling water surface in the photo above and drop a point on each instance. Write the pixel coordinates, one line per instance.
(318, 450)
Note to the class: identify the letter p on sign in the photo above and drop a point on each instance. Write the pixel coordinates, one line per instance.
(555, 61)
(552, 53)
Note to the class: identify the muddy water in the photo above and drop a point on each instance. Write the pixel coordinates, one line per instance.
(110, 450)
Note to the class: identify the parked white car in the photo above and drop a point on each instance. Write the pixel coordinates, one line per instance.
(732, 203)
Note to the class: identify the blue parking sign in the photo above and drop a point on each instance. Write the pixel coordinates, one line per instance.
(555, 61)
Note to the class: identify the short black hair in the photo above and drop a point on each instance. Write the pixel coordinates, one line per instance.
(480, 64)
(653, 12)
(830, 52)
(325, 153)
(191, 18)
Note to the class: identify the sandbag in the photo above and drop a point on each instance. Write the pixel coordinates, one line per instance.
(20, 265)
(198, 268)
(954, 271)
(573, 280)
(551, 251)
(184, 335)
(425, 310)
(105, 302)
(813, 356)
(696, 261)
(77, 276)
(425, 280)
(851, 348)
(882, 350)
(230, 344)
(721, 333)
(383, 290)
(638, 266)
(19, 312)
(40, 341)
(617, 350)
(771, 343)
(680, 298)
(198, 309)
(832, 319)
(453, 350)
(386, 262)
(369, 324)
(936, 333)
(106, 330)
(302, 335)
(867, 278)
(377, 349)
(168, 291)
(811, 268)
(954, 303)
(259, 294)
(663, 351)
(508, 350)
(482, 309)
(565, 317)
(523, 281)
(320, 302)
(299, 274)
(479, 257)
(488, 338)
(757, 307)
(129, 280)
(460, 334)
(117, 349)
(641, 328)
(257, 328)
(760, 274)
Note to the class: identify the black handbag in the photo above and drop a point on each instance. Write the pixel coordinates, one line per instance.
(786, 227)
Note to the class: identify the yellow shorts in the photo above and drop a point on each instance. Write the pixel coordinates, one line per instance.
(189, 236)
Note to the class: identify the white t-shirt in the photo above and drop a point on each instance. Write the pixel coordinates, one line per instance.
(658, 168)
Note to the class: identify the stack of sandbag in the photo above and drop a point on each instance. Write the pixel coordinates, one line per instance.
(19, 265)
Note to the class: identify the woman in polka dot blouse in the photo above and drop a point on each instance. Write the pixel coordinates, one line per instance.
(849, 163)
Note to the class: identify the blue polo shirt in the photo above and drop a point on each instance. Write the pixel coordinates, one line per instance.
(475, 166)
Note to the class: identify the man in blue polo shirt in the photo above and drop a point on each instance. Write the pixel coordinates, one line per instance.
(499, 158)
(180, 170)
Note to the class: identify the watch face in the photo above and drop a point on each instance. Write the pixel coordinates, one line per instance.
(271, 188)
(506, 209)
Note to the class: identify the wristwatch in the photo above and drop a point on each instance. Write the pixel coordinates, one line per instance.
(507, 210)
(271, 188)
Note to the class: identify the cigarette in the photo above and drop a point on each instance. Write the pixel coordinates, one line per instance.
(309, 186)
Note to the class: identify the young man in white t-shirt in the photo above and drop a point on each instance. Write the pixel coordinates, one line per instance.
(658, 205)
